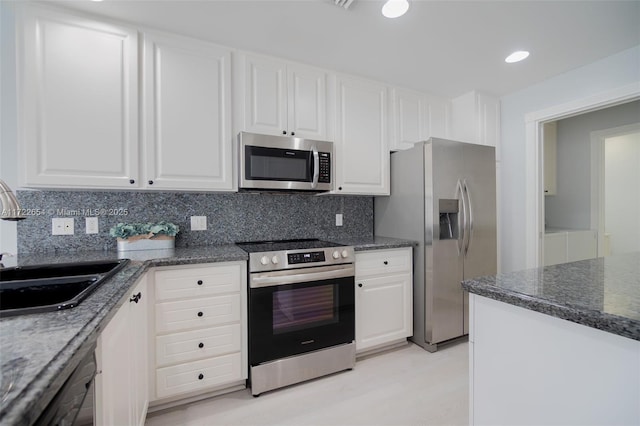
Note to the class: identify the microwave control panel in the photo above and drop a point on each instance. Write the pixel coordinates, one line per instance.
(325, 167)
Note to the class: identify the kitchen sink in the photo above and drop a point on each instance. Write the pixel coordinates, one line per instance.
(51, 287)
(54, 270)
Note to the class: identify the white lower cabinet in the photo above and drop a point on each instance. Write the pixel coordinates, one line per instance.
(384, 297)
(199, 330)
(570, 246)
(121, 383)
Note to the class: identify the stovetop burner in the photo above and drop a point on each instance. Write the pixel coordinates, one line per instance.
(281, 245)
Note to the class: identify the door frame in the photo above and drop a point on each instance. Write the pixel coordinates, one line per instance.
(534, 193)
(598, 139)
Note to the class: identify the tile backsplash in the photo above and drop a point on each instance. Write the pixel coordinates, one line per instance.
(231, 217)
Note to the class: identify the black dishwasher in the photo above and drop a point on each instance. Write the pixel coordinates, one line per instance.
(66, 404)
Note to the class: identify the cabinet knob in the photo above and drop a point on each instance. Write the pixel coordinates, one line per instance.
(136, 297)
(199, 282)
(132, 181)
(339, 188)
(200, 314)
(201, 345)
(200, 376)
(150, 182)
(385, 262)
(284, 132)
(359, 284)
(293, 133)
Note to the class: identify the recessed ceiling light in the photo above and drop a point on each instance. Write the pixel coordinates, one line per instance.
(516, 56)
(395, 8)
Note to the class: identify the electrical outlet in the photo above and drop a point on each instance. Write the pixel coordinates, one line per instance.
(198, 223)
(338, 219)
(91, 225)
(62, 226)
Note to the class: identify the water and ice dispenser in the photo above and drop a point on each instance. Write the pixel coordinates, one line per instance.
(448, 209)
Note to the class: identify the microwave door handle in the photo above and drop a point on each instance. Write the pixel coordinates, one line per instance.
(316, 167)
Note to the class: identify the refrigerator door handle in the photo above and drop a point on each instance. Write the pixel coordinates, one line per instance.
(463, 212)
(468, 232)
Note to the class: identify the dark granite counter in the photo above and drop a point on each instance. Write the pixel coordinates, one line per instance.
(39, 351)
(602, 293)
(377, 243)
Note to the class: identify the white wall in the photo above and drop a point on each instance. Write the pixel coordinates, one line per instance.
(622, 189)
(570, 208)
(610, 73)
(8, 120)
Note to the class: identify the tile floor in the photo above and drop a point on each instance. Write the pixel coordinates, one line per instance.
(404, 386)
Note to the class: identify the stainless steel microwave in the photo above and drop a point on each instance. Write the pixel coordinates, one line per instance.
(282, 163)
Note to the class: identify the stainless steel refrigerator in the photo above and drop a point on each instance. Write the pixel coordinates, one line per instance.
(443, 194)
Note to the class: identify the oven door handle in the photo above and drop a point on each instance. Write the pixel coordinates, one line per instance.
(269, 279)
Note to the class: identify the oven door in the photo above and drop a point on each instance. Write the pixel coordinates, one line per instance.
(299, 311)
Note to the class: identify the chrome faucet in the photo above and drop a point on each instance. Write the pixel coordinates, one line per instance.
(10, 207)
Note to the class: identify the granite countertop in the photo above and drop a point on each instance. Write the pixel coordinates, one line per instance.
(602, 293)
(39, 351)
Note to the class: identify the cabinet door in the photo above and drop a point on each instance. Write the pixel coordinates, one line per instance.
(114, 395)
(121, 383)
(550, 147)
(488, 111)
(79, 102)
(265, 109)
(188, 114)
(307, 102)
(383, 310)
(581, 245)
(362, 140)
(555, 248)
(407, 112)
(139, 332)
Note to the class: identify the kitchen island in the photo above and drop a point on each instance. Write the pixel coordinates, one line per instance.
(557, 345)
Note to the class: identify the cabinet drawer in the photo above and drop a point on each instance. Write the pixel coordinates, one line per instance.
(197, 313)
(198, 375)
(192, 345)
(378, 262)
(198, 282)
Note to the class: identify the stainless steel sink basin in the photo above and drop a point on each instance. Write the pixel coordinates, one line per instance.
(51, 287)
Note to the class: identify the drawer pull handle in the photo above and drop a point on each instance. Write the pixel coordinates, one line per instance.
(386, 262)
(200, 376)
(200, 314)
(201, 345)
(199, 282)
(136, 297)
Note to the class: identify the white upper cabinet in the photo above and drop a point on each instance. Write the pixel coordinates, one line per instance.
(282, 98)
(475, 117)
(362, 139)
(78, 92)
(188, 137)
(416, 117)
(550, 147)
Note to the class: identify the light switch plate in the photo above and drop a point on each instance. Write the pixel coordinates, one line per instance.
(62, 226)
(91, 225)
(198, 223)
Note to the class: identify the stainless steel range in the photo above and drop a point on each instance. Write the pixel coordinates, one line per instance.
(301, 311)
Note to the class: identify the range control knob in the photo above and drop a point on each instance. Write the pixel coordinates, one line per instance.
(275, 260)
(345, 253)
(264, 260)
(336, 254)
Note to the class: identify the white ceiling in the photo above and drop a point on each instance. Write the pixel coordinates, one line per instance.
(443, 47)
